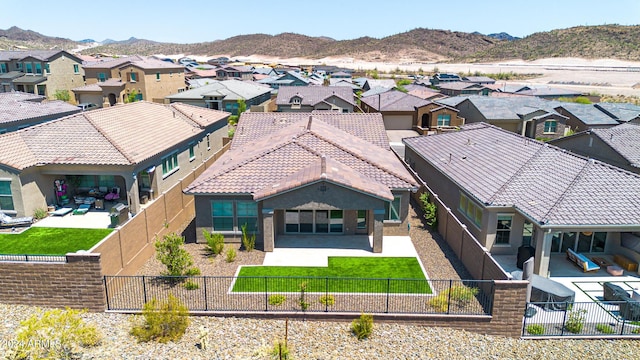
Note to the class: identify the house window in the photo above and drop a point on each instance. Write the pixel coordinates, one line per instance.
(158, 76)
(550, 126)
(170, 164)
(38, 68)
(247, 213)
(585, 241)
(139, 96)
(314, 221)
(42, 90)
(192, 151)
(470, 210)
(503, 229)
(229, 215)
(296, 100)
(3, 68)
(133, 77)
(444, 120)
(222, 212)
(6, 200)
(102, 77)
(76, 69)
(362, 219)
(19, 66)
(47, 68)
(208, 141)
(28, 68)
(335, 221)
(392, 209)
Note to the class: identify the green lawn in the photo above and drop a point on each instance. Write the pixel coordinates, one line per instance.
(344, 274)
(51, 241)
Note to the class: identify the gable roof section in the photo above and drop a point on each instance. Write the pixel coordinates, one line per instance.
(623, 112)
(509, 108)
(228, 89)
(119, 135)
(549, 184)
(42, 55)
(460, 85)
(623, 139)
(291, 156)
(16, 106)
(312, 95)
(255, 126)
(394, 100)
(588, 114)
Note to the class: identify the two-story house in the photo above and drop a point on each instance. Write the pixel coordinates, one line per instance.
(42, 72)
(310, 98)
(234, 72)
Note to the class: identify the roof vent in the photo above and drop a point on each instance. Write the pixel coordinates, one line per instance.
(309, 123)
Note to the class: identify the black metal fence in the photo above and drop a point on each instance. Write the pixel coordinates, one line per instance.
(34, 258)
(610, 318)
(308, 294)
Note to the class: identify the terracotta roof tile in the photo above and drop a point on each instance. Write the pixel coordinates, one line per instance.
(16, 106)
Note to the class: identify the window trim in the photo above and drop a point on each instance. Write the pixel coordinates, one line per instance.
(192, 151)
(555, 127)
(388, 207)
(174, 160)
(236, 227)
(508, 243)
(470, 205)
(10, 196)
(76, 68)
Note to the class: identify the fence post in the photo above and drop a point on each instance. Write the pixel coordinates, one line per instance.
(206, 303)
(624, 322)
(524, 322)
(326, 294)
(449, 295)
(388, 290)
(266, 295)
(564, 320)
(144, 289)
(106, 291)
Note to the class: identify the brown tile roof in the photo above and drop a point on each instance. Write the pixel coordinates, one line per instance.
(394, 100)
(119, 135)
(312, 95)
(255, 126)
(17, 106)
(142, 62)
(290, 156)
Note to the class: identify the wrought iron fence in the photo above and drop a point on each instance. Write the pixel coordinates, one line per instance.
(34, 258)
(606, 318)
(307, 294)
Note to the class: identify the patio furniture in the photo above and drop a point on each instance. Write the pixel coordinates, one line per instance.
(625, 262)
(82, 209)
(582, 261)
(613, 292)
(548, 294)
(615, 270)
(629, 308)
(114, 194)
(8, 221)
(61, 212)
(601, 261)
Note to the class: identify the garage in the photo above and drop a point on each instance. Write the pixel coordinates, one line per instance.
(398, 122)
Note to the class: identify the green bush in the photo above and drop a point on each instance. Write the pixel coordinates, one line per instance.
(40, 213)
(172, 255)
(191, 285)
(430, 210)
(279, 351)
(327, 300)
(604, 328)
(215, 242)
(459, 295)
(231, 255)
(62, 334)
(63, 95)
(535, 329)
(362, 327)
(277, 299)
(164, 321)
(248, 241)
(576, 320)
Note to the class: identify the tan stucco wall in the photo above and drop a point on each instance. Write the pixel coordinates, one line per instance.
(62, 76)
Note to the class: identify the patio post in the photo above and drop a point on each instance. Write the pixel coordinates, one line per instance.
(543, 252)
(378, 229)
(269, 229)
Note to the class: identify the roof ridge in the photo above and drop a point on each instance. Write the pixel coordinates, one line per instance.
(109, 139)
(182, 114)
(587, 166)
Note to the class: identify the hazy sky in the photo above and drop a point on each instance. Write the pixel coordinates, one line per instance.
(197, 21)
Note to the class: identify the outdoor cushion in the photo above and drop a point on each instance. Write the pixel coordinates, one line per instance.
(582, 261)
(6, 220)
(82, 209)
(62, 211)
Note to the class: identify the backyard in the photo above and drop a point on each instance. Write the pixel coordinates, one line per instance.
(50, 241)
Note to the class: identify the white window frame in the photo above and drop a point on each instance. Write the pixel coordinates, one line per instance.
(10, 196)
(170, 164)
(505, 217)
(389, 206)
(470, 210)
(555, 127)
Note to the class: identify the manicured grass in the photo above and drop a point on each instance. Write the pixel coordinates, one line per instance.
(344, 274)
(51, 241)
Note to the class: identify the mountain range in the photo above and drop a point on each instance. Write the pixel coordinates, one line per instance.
(424, 45)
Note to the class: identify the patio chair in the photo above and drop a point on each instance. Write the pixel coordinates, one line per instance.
(82, 209)
(8, 221)
(114, 194)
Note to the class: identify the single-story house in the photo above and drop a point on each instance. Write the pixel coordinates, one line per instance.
(139, 149)
(398, 109)
(289, 78)
(456, 88)
(19, 110)
(326, 174)
(512, 191)
(309, 98)
(581, 117)
(224, 95)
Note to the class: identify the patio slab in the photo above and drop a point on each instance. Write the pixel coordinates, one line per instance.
(91, 220)
(314, 250)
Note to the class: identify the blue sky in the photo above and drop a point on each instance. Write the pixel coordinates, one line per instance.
(197, 21)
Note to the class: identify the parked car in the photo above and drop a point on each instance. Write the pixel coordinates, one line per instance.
(87, 106)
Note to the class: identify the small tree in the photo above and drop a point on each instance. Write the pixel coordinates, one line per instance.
(248, 240)
(62, 95)
(215, 242)
(430, 210)
(132, 97)
(172, 255)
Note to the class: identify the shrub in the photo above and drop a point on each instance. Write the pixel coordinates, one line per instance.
(61, 334)
(362, 327)
(430, 210)
(39, 213)
(277, 299)
(280, 350)
(327, 300)
(172, 255)
(604, 328)
(62, 95)
(304, 305)
(231, 255)
(215, 242)
(636, 331)
(248, 241)
(458, 294)
(535, 329)
(191, 285)
(576, 320)
(163, 321)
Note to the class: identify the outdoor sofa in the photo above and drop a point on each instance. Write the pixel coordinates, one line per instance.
(582, 261)
(8, 221)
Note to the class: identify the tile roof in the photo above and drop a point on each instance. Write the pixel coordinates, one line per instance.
(624, 139)
(17, 106)
(460, 85)
(549, 184)
(623, 112)
(292, 156)
(394, 100)
(501, 108)
(588, 114)
(254, 126)
(118, 135)
(423, 92)
(143, 62)
(228, 89)
(478, 79)
(21, 54)
(312, 95)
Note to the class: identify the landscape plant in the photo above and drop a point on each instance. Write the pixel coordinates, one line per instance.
(362, 327)
(191, 285)
(302, 302)
(215, 241)
(163, 321)
(535, 329)
(248, 240)
(457, 295)
(231, 255)
(327, 300)
(605, 328)
(62, 95)
(430, 210)
(171, 254)
(575, 321)
(54, 334)
(39, 213)
(280, 350)
(277, 299)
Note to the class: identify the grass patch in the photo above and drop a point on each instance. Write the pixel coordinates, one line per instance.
(51, 241)
(344, 274)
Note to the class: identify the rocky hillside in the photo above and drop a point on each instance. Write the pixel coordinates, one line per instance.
(16, 38)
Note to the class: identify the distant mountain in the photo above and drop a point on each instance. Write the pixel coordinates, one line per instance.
(107, 41)
(14, 37)
(86, 41)
(503, 36)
